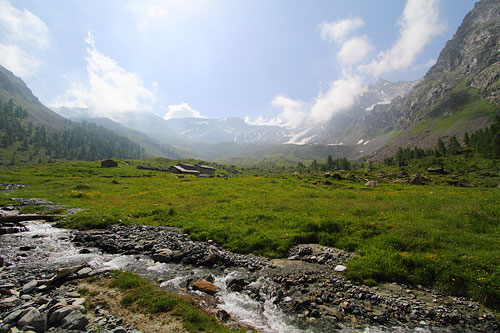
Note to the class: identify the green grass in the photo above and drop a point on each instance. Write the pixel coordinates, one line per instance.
(461, 105)
(434, 235)
(146, 296)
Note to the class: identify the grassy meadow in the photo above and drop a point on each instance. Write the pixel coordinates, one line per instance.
(433, 235)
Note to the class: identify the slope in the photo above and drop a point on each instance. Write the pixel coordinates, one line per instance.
(459, 94)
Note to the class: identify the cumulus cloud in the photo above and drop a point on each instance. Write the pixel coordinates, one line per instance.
(293, 113)
(337, 31)
(110, 91)
(418, 25)
(341, 95)
(183, 110)
(354, 50)
(147, 12)
(22, 36)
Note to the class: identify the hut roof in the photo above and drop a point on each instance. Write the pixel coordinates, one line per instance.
(206, 166)
(181, 169)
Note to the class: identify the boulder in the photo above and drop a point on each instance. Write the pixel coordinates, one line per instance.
(78, 301)
(29, 317)
(75, 321)
(163, 255)
(236, 284)
(206, 287)
(340, 268)
(57, 316)
(84, 272)
(416, 180)
(436, 170)
(13, 316)
(9, 302)
(29, 287)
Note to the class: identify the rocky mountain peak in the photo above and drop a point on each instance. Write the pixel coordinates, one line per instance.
(474, 50)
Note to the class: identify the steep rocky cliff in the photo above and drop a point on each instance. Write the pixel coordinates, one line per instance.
(460, 93)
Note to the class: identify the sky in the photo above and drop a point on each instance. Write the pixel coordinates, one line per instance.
(279, 62)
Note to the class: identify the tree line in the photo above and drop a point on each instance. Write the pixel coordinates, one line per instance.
(486, 142)
(77, 141)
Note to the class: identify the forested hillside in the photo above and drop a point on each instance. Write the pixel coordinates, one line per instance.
(22, 141)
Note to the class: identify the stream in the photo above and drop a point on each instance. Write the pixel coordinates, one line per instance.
(46, 248)
(302, 294)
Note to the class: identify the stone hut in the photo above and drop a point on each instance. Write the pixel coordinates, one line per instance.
(205, 169)
(187, 166)
(181, 170)
(109, 164)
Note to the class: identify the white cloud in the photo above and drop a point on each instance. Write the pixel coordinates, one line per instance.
(22, 35)
(111, 90)
(147, 12)
(338, 30)
(354, 50)
(293, 113)
(418, 25)
(341, 95)
(183, 110)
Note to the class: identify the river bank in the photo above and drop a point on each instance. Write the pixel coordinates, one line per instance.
(305, 292)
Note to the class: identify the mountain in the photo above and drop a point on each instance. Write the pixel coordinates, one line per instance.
(343, 128)
(227, 130)
(13, 88)
(459, 94)
(32, 133)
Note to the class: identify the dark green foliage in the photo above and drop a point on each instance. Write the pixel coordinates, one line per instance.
(441, 148)
(487, 141)
(82, 141)
(453, 146)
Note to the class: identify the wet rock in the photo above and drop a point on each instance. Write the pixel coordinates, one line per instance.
(223, 315)
(75, 321)
(210, 278)
(163, 255)
(206, 287)
(236, 285)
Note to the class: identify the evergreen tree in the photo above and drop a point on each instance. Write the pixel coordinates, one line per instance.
(453, 146)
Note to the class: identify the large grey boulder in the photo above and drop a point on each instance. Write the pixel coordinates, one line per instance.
(34, 319)
(75, 321)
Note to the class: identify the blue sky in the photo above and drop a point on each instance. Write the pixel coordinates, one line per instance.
(285, 62)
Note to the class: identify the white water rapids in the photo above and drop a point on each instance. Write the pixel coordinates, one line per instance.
(51, 247)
